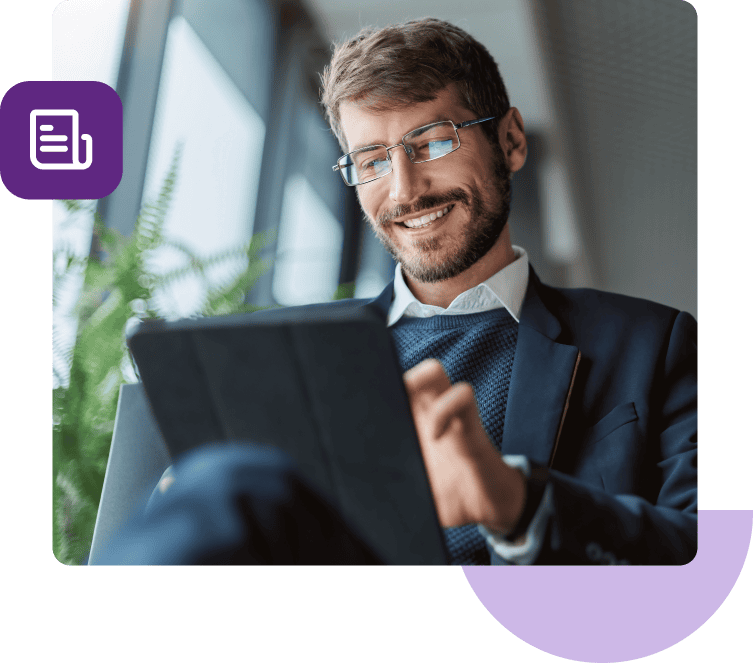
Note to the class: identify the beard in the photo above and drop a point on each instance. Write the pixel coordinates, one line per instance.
(487, 221)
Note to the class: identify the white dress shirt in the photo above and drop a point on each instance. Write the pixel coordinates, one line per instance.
(505, 289)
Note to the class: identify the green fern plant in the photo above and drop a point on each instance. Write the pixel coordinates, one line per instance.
(119, 285)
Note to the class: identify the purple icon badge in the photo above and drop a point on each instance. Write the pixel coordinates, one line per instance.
(61, 139)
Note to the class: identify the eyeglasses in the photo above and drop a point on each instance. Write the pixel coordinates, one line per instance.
(423, 144)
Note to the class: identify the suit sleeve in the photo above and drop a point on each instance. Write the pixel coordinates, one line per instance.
(591, 526)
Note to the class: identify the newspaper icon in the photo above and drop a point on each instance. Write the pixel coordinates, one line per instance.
(42, 154)
(55, 141)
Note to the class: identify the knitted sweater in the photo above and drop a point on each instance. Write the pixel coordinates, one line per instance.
(477, 348)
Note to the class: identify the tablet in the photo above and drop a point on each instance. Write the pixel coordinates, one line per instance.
(321, 383)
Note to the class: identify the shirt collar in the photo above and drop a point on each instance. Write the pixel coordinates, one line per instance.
(506, 288)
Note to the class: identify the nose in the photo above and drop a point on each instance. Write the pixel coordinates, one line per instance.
(408, 179)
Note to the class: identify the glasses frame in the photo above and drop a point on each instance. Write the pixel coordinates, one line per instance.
(456, 126)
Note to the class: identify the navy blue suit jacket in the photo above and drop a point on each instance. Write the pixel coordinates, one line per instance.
(603, 395)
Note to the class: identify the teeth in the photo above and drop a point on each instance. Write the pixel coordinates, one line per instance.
(427, 219)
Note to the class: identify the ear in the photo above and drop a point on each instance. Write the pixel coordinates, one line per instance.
(512, 139)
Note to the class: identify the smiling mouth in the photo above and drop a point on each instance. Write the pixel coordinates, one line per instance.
(427, 219)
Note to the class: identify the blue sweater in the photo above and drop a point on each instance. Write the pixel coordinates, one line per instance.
(477, 348)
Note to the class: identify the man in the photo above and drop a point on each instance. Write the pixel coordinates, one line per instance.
(557, 426)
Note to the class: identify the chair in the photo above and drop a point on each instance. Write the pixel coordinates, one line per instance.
(138, 458)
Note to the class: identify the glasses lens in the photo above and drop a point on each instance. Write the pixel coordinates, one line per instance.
(364, 165)
(432, 142)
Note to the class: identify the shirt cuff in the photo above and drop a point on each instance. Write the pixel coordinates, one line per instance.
(525, 552)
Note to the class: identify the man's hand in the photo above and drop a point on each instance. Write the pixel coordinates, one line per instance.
(469, 480)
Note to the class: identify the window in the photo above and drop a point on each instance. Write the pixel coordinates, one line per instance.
(87, 43)
(222, 137)
(308, 247)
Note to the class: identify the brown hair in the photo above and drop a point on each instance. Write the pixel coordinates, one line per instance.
(410, 63)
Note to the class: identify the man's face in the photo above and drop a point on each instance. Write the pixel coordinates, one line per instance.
(468, 190)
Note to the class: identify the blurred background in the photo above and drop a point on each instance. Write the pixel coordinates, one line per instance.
(607, 90)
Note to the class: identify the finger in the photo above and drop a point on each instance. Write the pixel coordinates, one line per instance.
(457, 403)
(428, 377)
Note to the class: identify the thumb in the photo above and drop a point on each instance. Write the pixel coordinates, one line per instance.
(426, 379)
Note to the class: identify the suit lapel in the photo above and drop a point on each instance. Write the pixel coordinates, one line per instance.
(383, 301)
(542, 377)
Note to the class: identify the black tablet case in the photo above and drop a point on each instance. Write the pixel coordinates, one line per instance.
(329, 392)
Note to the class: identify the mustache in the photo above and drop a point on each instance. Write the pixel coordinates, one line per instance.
(424, 203)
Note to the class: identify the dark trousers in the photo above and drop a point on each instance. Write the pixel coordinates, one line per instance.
(238, 503)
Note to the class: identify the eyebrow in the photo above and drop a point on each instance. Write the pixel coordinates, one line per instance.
(373, 145)
(367, 148)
